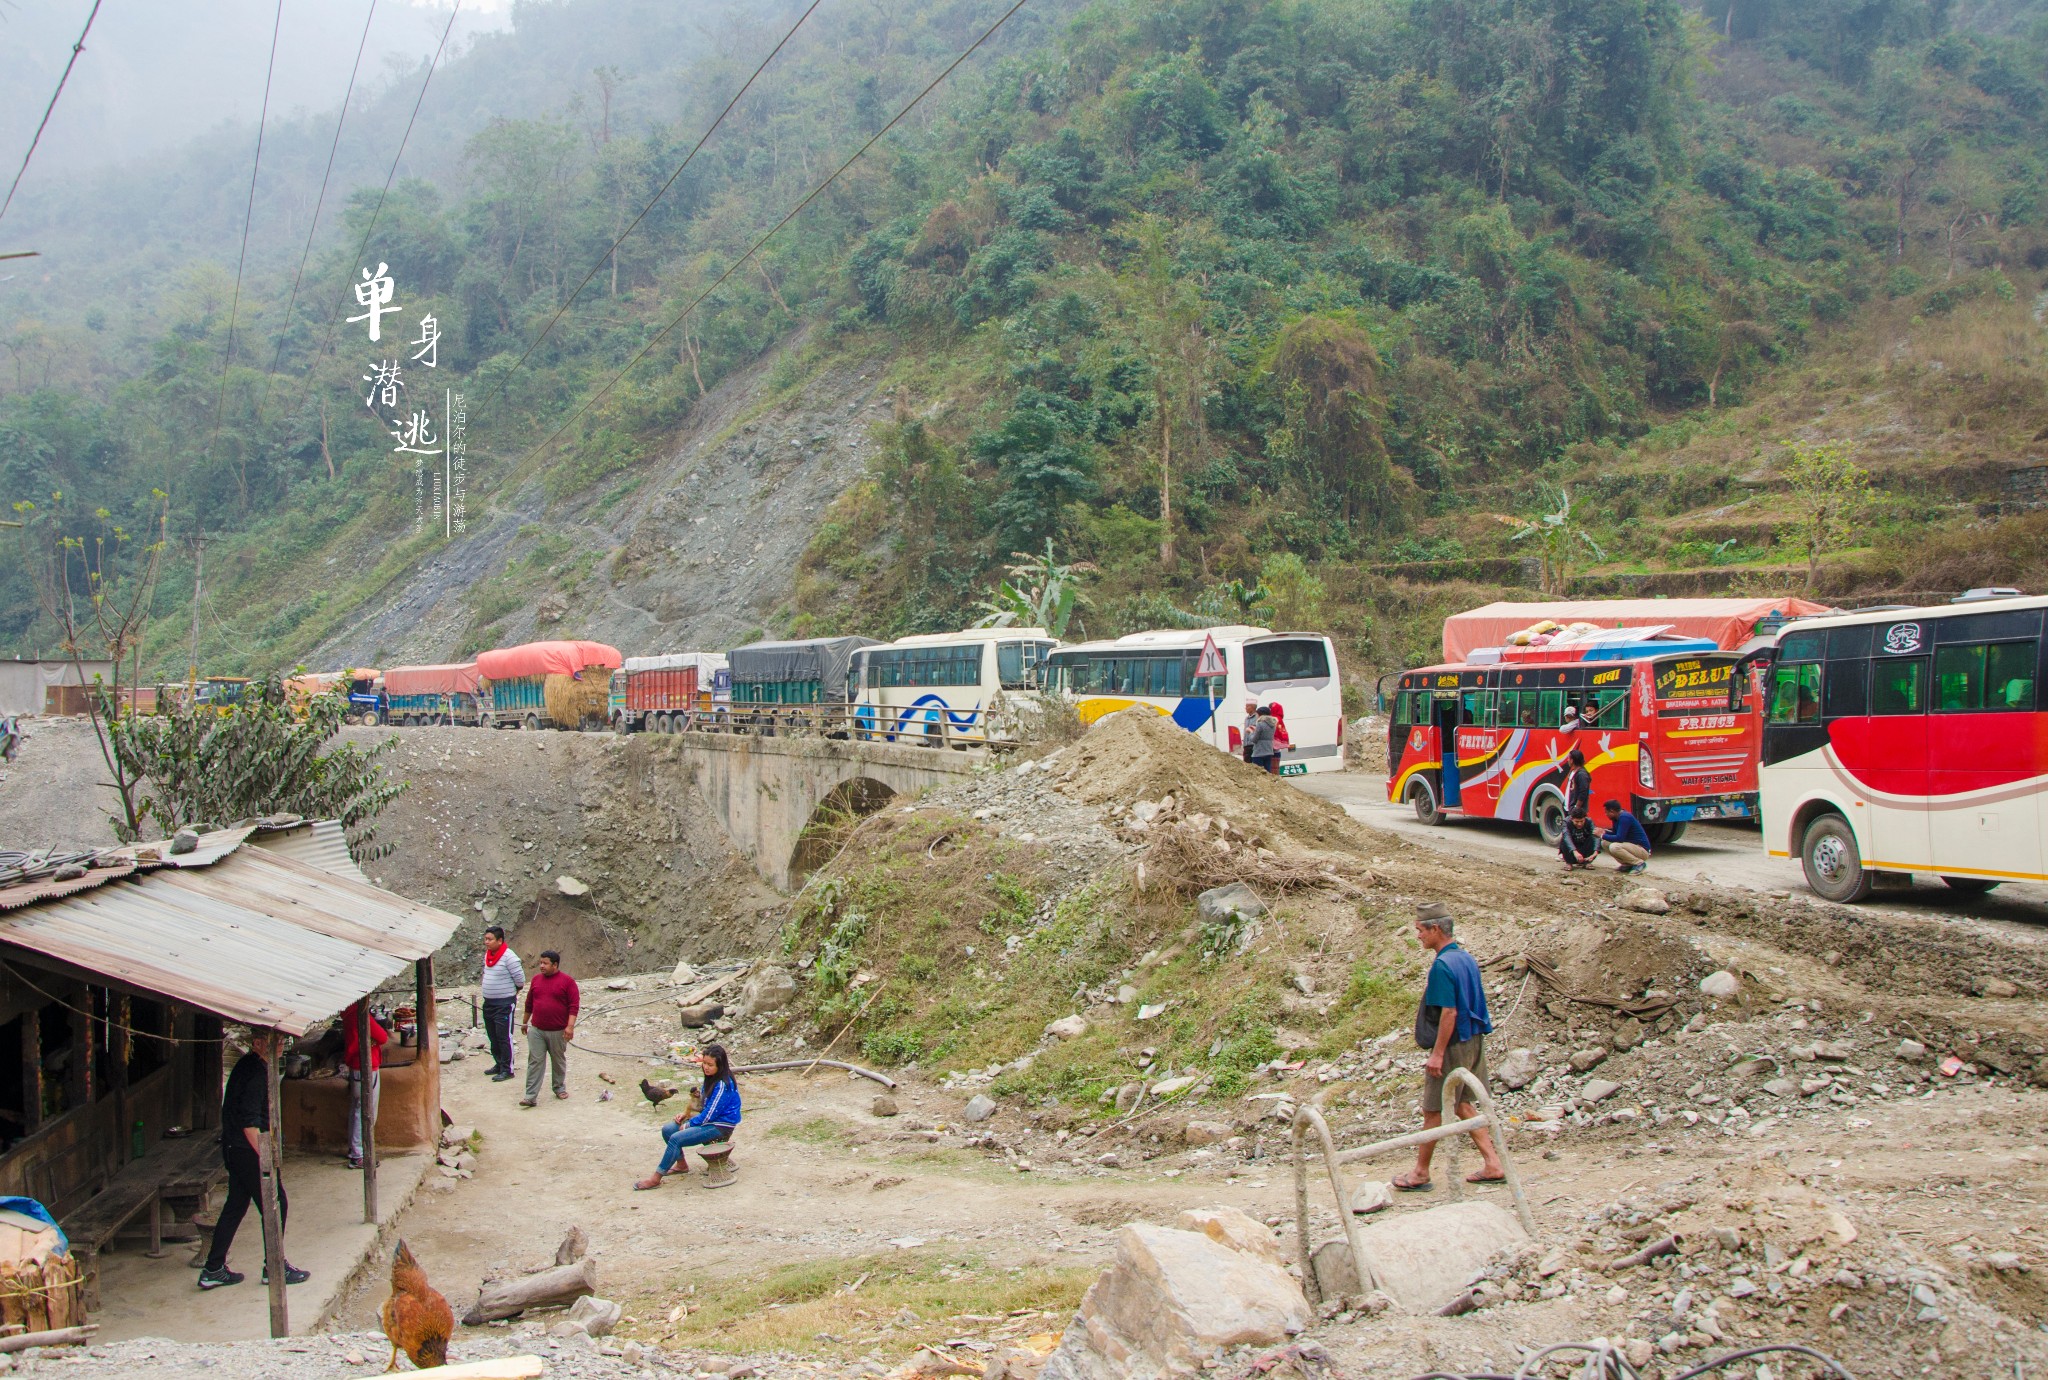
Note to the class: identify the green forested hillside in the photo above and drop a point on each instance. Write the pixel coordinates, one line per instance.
(1199, 291)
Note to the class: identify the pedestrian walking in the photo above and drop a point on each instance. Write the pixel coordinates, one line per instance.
(715, 1121)
(1452, 1024)
(549, 1024)
(244, 1123)
(503, 977)
(1625, 841)
(1264, 754)
(362, 1089)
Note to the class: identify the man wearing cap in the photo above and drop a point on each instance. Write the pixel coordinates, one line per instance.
(1451, 1023)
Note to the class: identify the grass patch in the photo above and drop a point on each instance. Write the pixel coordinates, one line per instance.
(805, 1307)
(817, 1130)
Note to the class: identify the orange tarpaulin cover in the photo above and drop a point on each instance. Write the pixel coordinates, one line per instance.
(452, 678)
(1730, 622)
(545, 659)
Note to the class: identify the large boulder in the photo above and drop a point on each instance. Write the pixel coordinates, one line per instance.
(1219, 904)
(1423, 1260)
(1172, 1301)
(770, 989)
(1238, 1230)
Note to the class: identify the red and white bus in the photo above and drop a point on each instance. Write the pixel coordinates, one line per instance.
(1908, 740)
(1662, 733)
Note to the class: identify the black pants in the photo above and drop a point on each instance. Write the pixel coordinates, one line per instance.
(498, 1030)
(245, 1186)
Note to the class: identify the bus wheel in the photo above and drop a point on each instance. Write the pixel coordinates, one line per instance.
(1546, 812)
(1422, 798)
(1970, 886)
(1661, 834)
(1834, 865)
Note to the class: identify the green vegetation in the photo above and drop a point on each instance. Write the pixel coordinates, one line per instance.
(1183, 289)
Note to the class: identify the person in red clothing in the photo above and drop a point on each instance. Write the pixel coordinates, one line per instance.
(352, 1059)
(549, 1024)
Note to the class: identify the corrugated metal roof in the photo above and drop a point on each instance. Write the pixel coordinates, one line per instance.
(323, 843)
(255, 937)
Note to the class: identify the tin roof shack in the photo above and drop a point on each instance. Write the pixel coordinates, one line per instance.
(55, 686)
(119, 971)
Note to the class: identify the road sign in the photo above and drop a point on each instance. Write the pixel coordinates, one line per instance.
(1211, 663)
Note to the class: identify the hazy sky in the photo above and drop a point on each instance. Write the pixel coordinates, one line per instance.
(154, 74)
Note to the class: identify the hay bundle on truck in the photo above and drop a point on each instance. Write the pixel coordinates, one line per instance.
(546, 684)
(443, 694)
(793, 685)
(664, 694)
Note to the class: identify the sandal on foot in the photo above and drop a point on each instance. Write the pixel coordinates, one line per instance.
(651, 1181)
(1399, 1186)
(1483, 1178)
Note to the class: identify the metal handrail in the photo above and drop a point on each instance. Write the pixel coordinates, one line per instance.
(1307, 1118)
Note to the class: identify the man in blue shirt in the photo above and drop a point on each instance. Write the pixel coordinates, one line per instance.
(1452, 1024)
(1625, 840)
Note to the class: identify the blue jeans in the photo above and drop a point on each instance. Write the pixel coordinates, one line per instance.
(681, 1138)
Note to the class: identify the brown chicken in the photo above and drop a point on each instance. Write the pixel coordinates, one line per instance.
(416, 1318)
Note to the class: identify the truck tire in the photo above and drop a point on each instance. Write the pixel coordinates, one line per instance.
(1833, 864)
(1546, 812)
(1970, 886)
(1661, 834)
(531, 723)
(1421, 797)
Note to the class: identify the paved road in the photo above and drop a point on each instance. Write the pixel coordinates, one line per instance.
(1726, 854)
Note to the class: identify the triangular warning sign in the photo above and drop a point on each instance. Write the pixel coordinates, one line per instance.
(1211, 663)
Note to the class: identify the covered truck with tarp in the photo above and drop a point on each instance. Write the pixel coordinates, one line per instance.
(793, 683)
(546, 684)
(447, 693)
(1728, 623)
(666, 693)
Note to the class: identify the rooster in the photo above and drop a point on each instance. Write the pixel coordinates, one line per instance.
(416, 1318)
(657, 1093)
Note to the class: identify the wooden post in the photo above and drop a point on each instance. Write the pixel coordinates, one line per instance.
(78, 1075)
(364, 1054)
(31, 1069)
(428, 1040)
(273, 1229)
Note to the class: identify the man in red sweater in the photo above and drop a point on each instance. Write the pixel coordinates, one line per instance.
(549, 1024)
(362, 1091)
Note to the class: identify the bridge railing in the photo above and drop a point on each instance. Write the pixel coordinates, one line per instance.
(959, 730)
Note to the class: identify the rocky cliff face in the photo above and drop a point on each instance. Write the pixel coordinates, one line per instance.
(698, 552)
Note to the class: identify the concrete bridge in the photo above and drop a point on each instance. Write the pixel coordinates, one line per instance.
(768, 791)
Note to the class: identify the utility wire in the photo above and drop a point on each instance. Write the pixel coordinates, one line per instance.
(755, 248)
(284, 330)
(49, 109)
(227, 358)
(341, 303)
(559, 311)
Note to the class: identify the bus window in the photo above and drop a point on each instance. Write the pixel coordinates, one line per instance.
(1959, 678)
(1611, 710)
(1474, 706)
(1898, 685)
(1401, 719)
(2009, 676)
(1297, 658)
(1550, 708)
(1011, 670)
(1795, 694)
(1847, 690)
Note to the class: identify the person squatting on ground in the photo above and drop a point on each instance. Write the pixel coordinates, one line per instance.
(549, 1024)
(1577, 844)
(503, 977)
(1452, 1024)
(244, 1120)
(1625, 841)
(352, 1060)
(715, 1121)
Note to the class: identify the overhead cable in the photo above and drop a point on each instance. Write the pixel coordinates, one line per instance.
(227, 358)
(755, 248)
(713, 129)
(49, 109)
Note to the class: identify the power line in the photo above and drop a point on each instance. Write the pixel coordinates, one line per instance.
(49, 109)
(341, 303)
(755, 248)
(559, 311)
(318, 202)
(248, 215)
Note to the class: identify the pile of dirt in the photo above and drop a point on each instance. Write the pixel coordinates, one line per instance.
(1621, 959)
(1135, 756)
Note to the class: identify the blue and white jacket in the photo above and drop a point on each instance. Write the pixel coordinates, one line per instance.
(722, 1108)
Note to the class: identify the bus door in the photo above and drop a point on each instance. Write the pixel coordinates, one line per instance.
(1444, 713)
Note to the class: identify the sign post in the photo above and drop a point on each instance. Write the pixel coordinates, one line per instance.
(1211, 664)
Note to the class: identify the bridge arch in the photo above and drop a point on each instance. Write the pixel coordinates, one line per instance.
(844, 806)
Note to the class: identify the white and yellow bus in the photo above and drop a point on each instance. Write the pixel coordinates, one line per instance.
(1297, 671)
(947, 688)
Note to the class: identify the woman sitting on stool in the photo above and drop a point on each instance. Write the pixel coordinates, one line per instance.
(715, 1121)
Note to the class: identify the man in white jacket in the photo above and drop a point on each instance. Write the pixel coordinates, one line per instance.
(503, 977)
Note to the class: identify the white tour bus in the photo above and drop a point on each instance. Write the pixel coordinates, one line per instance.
(1297, 671)
(947, 688)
